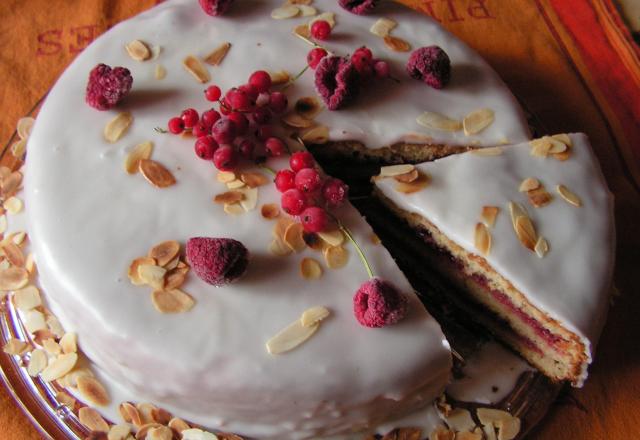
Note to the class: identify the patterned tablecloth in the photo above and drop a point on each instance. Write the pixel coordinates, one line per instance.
(572, 63)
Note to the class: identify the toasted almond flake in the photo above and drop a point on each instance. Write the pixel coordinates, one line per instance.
(37, 362)
(509, 424)
(308, 107)
(250, 200)
(270, 211)
(333, 237)
(178, 425)
(408, 177)
(310, 269)
(139, 152)
(93, 391)
(508, 429)
(279, 77)
(175, 278)
(278, 248)
(396, 44)
(540, 147)
(569, 196)
(226, 176)
(15, 347)
(18, 237)
(14, 254)
(172, 301)
(160, 415)
(134, 276)
(54, 326)
(119, 432)
(152, 275)
(197, 434)
(526, 232)
(297, 121)
(419, 184)
(13, 278)
(382, 27)
(307, 11)
(117, 127)
(302, 31)
(336, 257)
(539, 197)
(159, 433)
(316, 135)
(156, 173)
(482, 239)
(329, 17)
(562, 156)
(217, 55)
(281, 227)
(234, 209)
(283, 12)
(27, 298)
(51, 347)
(254, 179)
(489, 214)
(160, 72)
(542, 247)
(528, 184)
(442, 433)
(30, 264)
(564, 138)
(293, 237)
(164, 252)
(290, 337)
(516, 210)
(396, 170)
(18, 148)
(24, 127)
(138, 50)
(34, 321)
(314, 315)
(3, 224)
(235, 184)
(557, 147)
(11, 184)
(4, 172)
(438, 121)
(69, 343)
(66, 399)
(129, 413)
(477, 120)
(459, 419)
(59, 367)
(195, 67)
(90, 418)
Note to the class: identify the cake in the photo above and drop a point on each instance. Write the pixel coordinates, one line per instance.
(527, 235)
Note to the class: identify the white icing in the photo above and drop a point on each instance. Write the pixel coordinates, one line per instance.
(571, 283)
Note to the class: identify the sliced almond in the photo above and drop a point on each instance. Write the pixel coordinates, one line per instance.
(526, 232)
(138, 50)
(307, 11)
(198, 434)
(557, 147)
(119, 432)
(160, 415)
(284, 12)
(419, 184)
(13, 205)
(539, 197)
(164, 252)
(477, 120)
(408, 177)
(35, 321)
(333, 237)
(93, 391)
(218, 54)
(178, 425)
(278, 248)
(299, 2)
(329, 17)
(13, 278)
(491, 151)
(24, 127)
(291, 337)
(18, 237)
(235, 184)
(90, 418)
(382, 27)
(302, 31)
(226, 176)
(310, 269)
(69, 343)
(528, 184)
(540, 147)
(508, 429)
(117, 127)
(19, 148)
(250, 200)
(139, 152)
(316, 136)
(482, 239)
(442, 433)
(459, 419)
(270, 211)
(172, 301)
(254, 179)
(508, 425)
(279, 77)
(314, 315)
(15, 347)
(475, 435)
(160, 72)
(438, 121)
(516, 210)
(308, 107)
(489, 214)
(228, 197)
(54, 326)
(564, 138)
(156, 174)
(562, 156)
(281, 227)
(130, 413)
(293, 237)
(152, 275)
(37, 362)
(59, 367)
(234, 209)
(396, 170)
(569, 196)
(297, 121)
(396, 44)
(30, 264)
(66, 399)
(336, 257)
(159, 433)
(134, 276)
(27, 298)
(542, 247)
(14, 254)
(51, 347)
(195, 67)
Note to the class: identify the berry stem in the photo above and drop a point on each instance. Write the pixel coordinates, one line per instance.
(160, 130)
(295, 78)
(364, 260)
(268, 169)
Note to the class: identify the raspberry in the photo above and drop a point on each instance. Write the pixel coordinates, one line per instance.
(217, 261)
(225, 158)
(315, 56)
(261, 80)
(278, 102)
(362, 59)
(336, 81)
(300, 160)
(431, 65)
(308, 180)
(314, 219)
(320, 30)
(215, 7)
(275, 147)
(240, 121)
(359, 7)
(293, 201)
(224, 131)
(107, 87)
(284, 180)
(190, 117)
(205, 147)
(378, 303)
(176, 125)
(209, 117)
(200, 130)
(212, 93)
(335, 192)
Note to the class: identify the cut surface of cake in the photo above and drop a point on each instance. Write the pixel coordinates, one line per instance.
(526, 232)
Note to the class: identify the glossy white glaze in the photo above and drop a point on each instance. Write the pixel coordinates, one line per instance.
(571, 283)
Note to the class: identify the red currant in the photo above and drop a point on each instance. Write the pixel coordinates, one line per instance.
(246, 148)
(381, 69)
(250, 90)
(275, 147)
(284, 180)
(176, 125)
(315, 56)
(335, 192)
(224, 131)
(320, 30)
(293, 201)
(362, 59)
(261, 80)
(205, 147)
(212, 93)
(314, 219)
(240, 121)
(264, 132)
(259, 154)
(225, 158)
(225, 108)
(209, 117)
(308, 180)
(300, 160)
(238, 99)
(278, 102)
(200, 129)
(261, 115)
(190, 117)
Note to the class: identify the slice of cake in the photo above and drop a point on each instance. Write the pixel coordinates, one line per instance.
(526, 232)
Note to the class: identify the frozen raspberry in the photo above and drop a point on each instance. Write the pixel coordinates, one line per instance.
(217, 261)
(378, 303)
(335, 192)
(107, 86)
(360, 7)
(431, 65)
(336, 81)
(215, 7)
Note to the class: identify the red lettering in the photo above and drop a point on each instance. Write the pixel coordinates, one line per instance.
(84, 36)
(429, 9)
(480, 10)
(49, 42)
(454, 14)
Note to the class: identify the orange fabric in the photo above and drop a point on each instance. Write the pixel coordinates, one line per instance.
(571, 64)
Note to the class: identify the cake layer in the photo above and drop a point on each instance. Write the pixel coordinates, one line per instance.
(569, 285)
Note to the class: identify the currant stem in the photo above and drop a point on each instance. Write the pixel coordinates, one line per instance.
(364, 260)
(268, 169)
(295, 78)
(160, 130)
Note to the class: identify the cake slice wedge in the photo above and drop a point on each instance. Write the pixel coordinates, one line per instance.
(525, 232)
